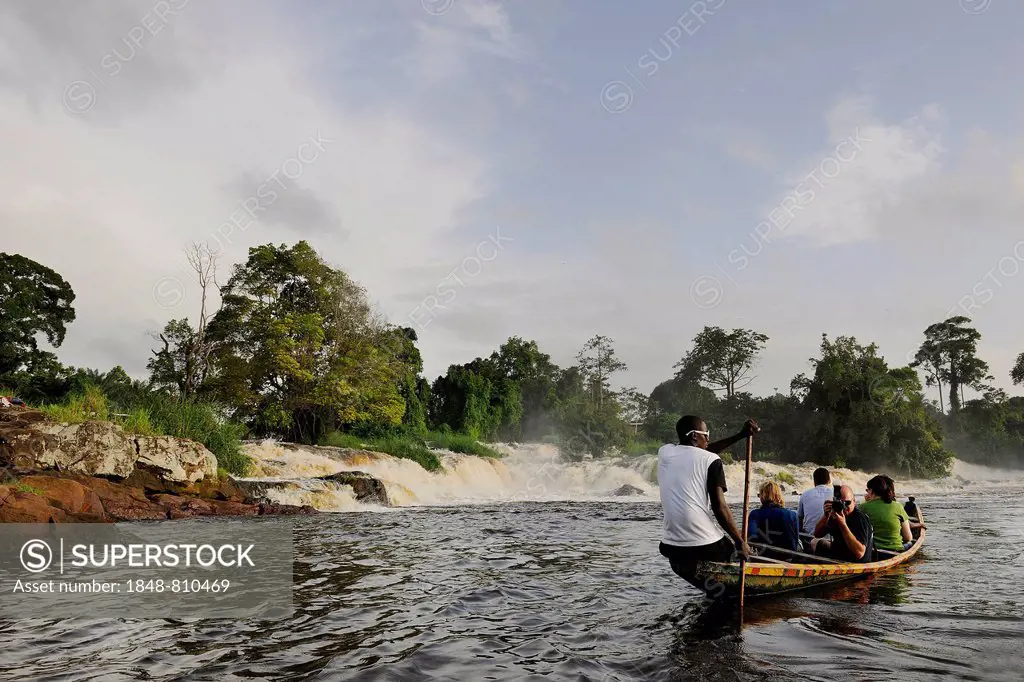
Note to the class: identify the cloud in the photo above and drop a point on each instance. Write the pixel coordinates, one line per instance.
(839, 196)
(449, 45)
(110, 197)
(297, 209)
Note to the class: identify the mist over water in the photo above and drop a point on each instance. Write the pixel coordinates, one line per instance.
(536, 473)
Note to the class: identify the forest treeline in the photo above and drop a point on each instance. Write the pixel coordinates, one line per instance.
(294, 350)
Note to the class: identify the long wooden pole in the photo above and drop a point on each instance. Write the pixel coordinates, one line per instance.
(746, 513)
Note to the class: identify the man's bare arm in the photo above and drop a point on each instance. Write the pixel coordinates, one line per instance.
(718, 446)
(724, 516)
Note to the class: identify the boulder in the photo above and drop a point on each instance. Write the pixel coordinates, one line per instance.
(28, 441)
(23, 507)
(270, 508)
(122, 502)
(71, 496)
(95, 448)
(19, 506)
(368, 489)
(175, 459)
(187, 507)
(627, 491)
(216, 488)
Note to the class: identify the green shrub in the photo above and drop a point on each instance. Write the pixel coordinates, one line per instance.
(409, 446)
(458, 442)
(785, 477)
(408, 449)
(639, 448)
(337, 439)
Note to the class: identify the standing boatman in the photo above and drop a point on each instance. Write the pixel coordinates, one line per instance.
(691, 477)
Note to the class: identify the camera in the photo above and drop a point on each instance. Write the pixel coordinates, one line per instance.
(839, 505)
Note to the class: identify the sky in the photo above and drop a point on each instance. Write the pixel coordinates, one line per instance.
(551, 170)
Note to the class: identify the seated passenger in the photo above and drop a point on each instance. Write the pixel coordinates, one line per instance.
(916, 517)
(811, 502)
(888, 517)
(852, 537)
(773, 524)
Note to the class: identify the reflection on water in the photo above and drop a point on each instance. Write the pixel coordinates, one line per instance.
(566, 591)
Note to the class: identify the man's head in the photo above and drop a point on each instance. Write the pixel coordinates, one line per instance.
(822, 477)
(846, 493)
(692, 431)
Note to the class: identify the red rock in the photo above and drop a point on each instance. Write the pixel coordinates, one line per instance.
(216, 489)
(187, 507)
(123, 503)
(21, 507)
(71, 496)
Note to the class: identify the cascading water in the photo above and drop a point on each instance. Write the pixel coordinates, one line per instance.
(531, 472)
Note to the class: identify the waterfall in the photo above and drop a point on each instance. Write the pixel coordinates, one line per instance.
(535, 473)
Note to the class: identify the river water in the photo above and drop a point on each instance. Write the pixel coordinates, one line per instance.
(569, 591)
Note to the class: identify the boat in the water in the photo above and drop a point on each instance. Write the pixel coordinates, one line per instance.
(764, 576)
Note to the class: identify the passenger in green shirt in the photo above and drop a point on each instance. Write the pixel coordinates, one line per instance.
(888, 517)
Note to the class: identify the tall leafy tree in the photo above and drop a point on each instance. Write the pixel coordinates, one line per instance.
(298, 348)
(34, 301)
(931, 360)
(477, 400)
(597, 362)
(410, 382)
(950, 349)
(523, 363)
(863, 414)
(722, 360)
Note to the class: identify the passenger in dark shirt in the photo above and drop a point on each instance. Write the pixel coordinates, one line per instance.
(852, 536)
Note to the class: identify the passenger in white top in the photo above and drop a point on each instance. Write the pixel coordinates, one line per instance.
(698, 525)
(812, 502)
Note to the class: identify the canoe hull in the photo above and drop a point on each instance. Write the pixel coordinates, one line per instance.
(722, 579)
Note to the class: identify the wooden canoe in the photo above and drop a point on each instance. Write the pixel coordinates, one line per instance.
(773, 578)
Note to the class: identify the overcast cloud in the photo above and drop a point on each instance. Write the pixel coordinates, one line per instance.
(473, 144)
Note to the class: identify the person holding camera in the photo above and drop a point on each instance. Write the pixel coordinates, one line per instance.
(852, 535)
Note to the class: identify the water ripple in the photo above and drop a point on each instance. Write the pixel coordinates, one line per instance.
(565, 591)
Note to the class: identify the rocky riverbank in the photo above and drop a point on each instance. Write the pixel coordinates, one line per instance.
(94, 472)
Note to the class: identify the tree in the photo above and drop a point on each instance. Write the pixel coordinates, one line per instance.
(186, 359)
(177, 365)
(34, 301)
(1017, 373)
(410, 386)
(722, 360)
(298, 348)
(476, 400)
(930, 359)
(862, 414)
(597, 363)
(523, 363)
(635, 406)
(590, 414)
(950, 351)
